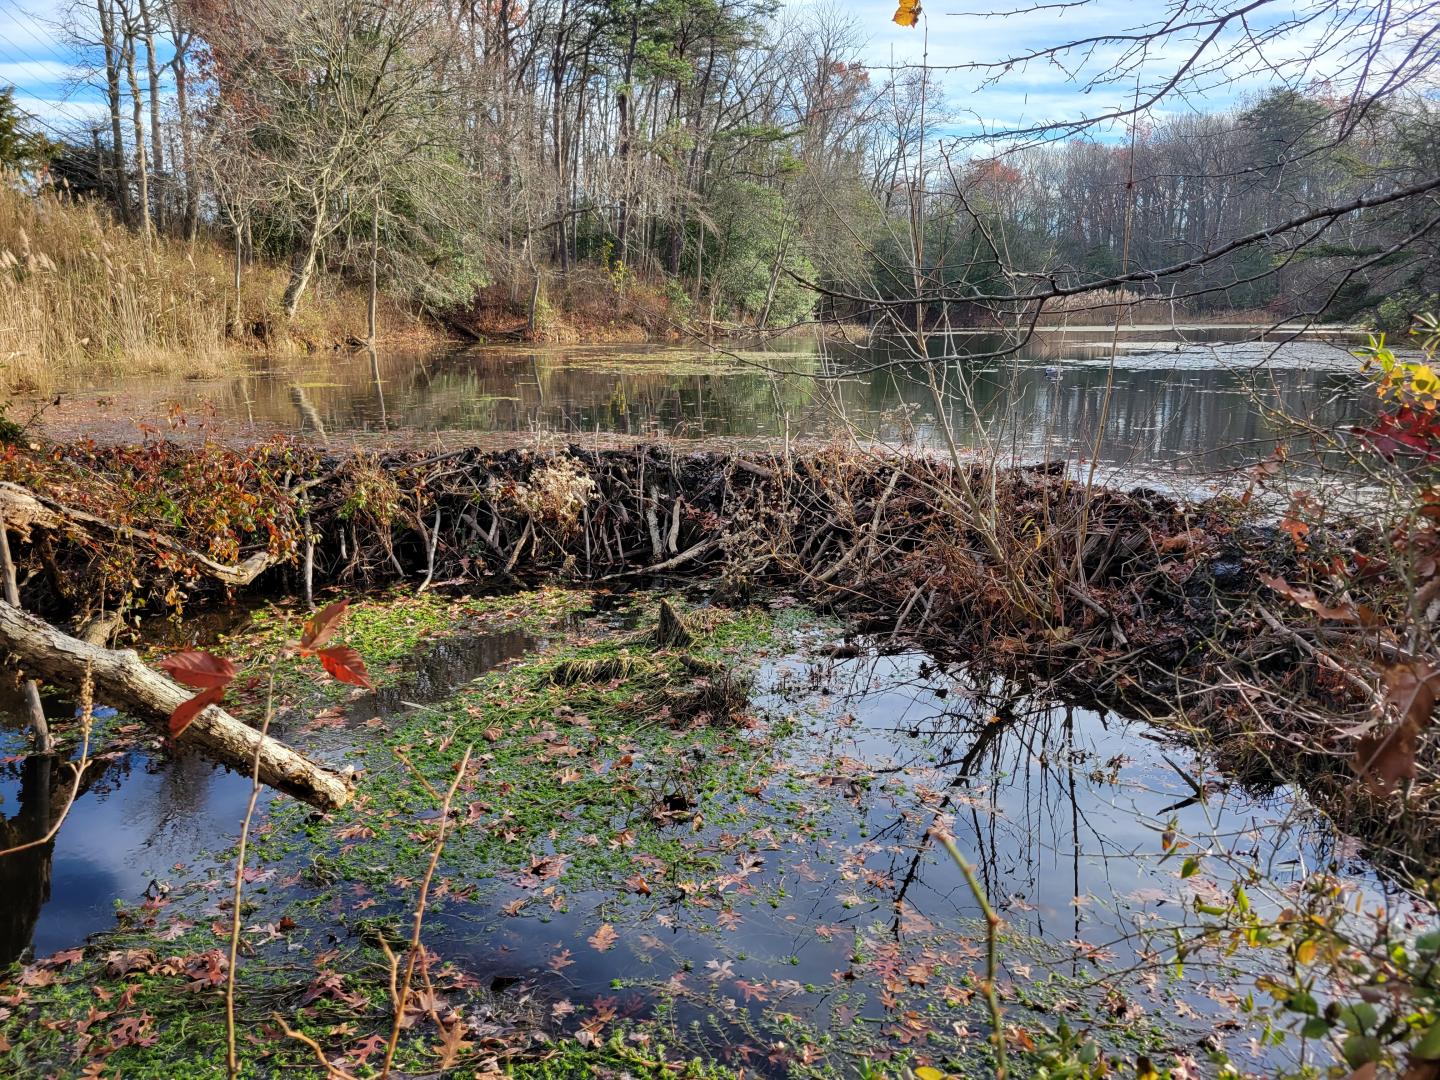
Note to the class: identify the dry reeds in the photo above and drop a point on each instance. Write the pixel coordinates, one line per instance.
(82, 296)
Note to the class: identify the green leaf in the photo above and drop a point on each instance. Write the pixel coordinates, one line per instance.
(1428, 1048)
(1360, 1049)
(1359, 1017)
(1190, 867)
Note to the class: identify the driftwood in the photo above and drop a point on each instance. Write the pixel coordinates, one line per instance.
(120, 675)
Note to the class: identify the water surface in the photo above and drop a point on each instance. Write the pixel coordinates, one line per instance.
(1194, 399)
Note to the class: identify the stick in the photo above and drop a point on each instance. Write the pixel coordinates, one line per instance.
(420, 915)
(232, 1056)
(33, 705)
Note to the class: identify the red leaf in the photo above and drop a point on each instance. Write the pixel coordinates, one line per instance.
(198, 669)
(321, 626)
(182, 717)
(345, 664)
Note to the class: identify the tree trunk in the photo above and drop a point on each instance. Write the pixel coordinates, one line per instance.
(112, 94)
(120, 676)
(187, 147)
(370, 310)
(302, 269)
(237, 327)
(137, 114)
(152, 76)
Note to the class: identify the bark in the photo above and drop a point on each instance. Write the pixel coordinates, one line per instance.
(187, 136)
(119, 675)
(43, 743)
(372, 301)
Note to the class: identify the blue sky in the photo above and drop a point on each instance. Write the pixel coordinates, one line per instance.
(34, 57)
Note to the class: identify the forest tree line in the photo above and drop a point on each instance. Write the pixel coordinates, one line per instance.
(741, 161)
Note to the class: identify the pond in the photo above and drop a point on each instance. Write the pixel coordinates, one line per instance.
(766, 894)
(1191, 399)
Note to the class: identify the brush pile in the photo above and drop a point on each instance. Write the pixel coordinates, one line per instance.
(1194, 615)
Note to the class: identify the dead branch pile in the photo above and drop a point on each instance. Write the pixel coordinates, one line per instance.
(1127, 598)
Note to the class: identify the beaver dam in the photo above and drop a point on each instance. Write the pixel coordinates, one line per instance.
(660, 762)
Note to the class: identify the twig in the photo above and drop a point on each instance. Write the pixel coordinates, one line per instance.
(992, 931)
(331, 1072)
(414, 947)
(232, 1058)
(44, 744)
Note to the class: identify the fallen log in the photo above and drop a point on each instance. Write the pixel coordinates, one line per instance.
(25, 510)
(121, 676)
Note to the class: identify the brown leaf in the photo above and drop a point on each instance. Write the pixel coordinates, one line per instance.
(1307, 599)
(452, 1043)
(124, 961)
(200, 670)
(603, 939)
(560, 961)
(1411, 689)
(184, 714)
(1386, 759)
(639, 884)
(320, 627)
(344, 663)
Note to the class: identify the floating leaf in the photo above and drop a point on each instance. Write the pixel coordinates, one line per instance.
(185, 714)
(345, 664)
(603, 939)
(320, 627)
(201, 670)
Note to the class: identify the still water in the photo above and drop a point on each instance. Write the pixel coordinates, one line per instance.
(1192, 400)
(839, 890)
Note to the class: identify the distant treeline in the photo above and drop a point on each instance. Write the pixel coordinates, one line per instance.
(743, 163)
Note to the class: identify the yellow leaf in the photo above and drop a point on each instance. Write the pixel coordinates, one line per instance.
(908, 14)
(1306, 952)
(929, 1072)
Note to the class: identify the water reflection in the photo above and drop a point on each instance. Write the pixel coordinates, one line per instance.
(1200, 402)
(830, 907)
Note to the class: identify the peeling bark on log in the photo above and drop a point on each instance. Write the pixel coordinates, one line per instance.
(120, 675)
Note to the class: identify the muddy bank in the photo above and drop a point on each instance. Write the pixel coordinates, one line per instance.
(1192, 615)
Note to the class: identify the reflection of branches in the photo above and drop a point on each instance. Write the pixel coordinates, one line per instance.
(77, 769)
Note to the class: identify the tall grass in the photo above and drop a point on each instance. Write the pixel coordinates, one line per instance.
(82, 297)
